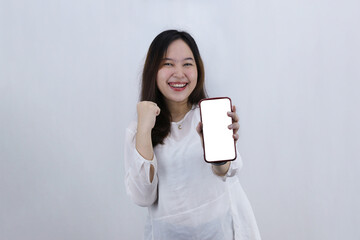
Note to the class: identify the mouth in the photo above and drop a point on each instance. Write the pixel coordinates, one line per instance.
(178, 86)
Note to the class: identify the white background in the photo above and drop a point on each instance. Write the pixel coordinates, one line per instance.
(69, 82)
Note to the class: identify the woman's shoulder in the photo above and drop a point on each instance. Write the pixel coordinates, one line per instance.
(195, 114)
(195, 108)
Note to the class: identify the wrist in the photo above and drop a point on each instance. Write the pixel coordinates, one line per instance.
(219, 163)
(143, 129)
(221, 170)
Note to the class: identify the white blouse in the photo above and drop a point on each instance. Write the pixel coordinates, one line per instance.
(186, 200)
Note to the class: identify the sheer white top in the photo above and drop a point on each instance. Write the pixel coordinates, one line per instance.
(186, 200)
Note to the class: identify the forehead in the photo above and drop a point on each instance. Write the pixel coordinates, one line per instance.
(178, 49)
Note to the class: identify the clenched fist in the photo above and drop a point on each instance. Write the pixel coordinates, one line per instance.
(147, 112)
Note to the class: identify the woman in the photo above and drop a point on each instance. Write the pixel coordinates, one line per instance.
(187, 198)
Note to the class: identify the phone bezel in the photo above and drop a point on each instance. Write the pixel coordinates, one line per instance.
(203, 142)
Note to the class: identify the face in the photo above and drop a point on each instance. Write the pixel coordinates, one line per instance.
(177, 76)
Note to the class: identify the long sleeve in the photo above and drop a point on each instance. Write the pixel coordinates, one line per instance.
(137, 171)
(235, 166)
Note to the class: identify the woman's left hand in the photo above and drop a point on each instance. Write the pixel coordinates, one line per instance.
(235, 125)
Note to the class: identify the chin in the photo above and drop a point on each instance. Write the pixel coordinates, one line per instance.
(177, 99)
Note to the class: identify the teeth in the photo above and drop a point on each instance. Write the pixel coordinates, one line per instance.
(176, 85)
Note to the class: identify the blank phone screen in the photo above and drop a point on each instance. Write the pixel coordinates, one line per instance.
(218, 139)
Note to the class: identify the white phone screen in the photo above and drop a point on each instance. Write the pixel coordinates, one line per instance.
(219, 144)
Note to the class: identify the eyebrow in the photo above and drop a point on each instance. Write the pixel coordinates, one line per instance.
(189, 58)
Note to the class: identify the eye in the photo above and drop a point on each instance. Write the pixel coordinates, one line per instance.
(188, 64)
(168, 64)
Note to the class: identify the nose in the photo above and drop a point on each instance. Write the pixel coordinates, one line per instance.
(179, 73)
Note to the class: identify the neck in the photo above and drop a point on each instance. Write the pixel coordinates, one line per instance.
(178, 110)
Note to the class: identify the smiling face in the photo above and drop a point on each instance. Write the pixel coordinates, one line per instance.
(177, 75)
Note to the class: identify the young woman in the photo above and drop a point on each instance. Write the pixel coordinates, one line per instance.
(187, 198)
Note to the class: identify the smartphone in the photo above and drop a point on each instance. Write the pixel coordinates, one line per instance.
(218, 142)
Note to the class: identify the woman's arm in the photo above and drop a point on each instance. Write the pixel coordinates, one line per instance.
(140, 161)
(140, 180)
(147, 112)
(145, 148)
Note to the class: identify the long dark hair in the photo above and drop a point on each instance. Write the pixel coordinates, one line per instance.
(149, 88)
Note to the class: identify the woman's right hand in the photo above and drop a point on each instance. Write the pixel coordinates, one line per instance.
(147, 112)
